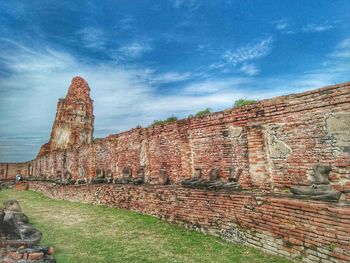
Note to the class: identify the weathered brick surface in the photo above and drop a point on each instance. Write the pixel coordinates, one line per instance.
(233, 140)
(270, 146)
(277, 223)
(8, 171)
(73, 125)
(297, 121)
(15, 255)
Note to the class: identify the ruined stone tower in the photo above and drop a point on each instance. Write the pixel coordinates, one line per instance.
(74, 121)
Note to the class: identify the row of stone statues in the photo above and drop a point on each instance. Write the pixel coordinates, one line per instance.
(127, 177)
(104, 177)
(320, 189)
(214, 182)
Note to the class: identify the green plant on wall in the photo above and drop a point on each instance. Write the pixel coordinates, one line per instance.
(201, 113)
(331, 246)
(286, 190)
(204, 112)
(171, 119)
(166, 121)
(242, 102)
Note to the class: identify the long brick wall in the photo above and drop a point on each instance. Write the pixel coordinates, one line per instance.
(269, 146)
(309, 230)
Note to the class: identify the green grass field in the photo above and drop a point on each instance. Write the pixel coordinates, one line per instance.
(85, 233)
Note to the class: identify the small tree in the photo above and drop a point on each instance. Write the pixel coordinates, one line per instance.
(242, 102)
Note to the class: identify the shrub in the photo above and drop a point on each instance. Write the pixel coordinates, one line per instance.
(157, 122)
(171, 119)
(242, 102)
(203, 112)
(166, 121)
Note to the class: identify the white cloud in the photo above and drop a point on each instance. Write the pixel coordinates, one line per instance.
(285, 27)
(213, 86)
(249, 69)
(344, 44)
(92, 38)
(133, 50)
(281, 25)
(316, 28)
(125, 97)
(21, 59)
(191, 5)
(170, 77)
(249, 52)
(342, 51)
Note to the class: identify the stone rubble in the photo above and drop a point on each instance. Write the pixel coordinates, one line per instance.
(19, 240)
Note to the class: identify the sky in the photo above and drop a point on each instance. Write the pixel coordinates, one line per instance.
(146, 60)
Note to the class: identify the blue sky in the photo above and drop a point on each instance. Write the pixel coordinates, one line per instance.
(147, 60)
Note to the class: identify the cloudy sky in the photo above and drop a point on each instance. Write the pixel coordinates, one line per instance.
(147, 60)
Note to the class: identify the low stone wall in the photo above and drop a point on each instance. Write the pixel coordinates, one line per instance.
(299, 229)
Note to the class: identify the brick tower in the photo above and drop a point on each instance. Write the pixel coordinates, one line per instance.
(74, 121)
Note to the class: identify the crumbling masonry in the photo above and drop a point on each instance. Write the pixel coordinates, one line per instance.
(274, 174)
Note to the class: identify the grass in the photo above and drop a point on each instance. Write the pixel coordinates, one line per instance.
(87, 233)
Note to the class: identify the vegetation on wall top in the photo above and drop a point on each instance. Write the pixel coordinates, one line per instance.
(242, 102)
(162, 122)
(201, 113)
(237, 104)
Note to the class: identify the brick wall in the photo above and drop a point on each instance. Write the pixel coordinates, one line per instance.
(8, 171)
(271, 145)
(278, 224)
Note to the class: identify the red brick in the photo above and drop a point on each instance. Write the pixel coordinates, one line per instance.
(36, 256)
(14, 255)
